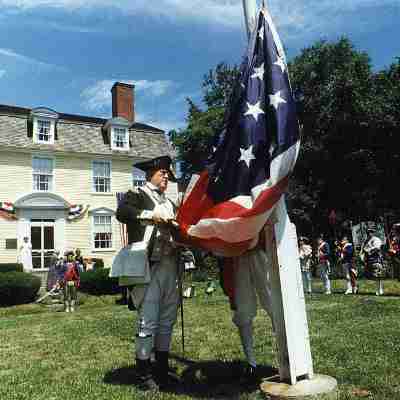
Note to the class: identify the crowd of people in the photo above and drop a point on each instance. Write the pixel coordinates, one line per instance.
(371, 254)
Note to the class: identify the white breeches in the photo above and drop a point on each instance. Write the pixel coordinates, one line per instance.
(252, 279)
(157, 311)
(306, 275)
(324, 269)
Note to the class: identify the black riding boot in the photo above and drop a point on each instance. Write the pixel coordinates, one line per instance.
(162, 368)
(145, 376)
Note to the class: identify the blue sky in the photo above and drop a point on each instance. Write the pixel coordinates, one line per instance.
(65, 54)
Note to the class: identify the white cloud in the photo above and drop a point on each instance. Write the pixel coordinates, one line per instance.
(98, 96)
(2, 73)
(303, 15)
(25, 59)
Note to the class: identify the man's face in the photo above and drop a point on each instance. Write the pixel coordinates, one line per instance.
(160, 179)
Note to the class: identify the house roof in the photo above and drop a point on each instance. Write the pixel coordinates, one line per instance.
(79, 134)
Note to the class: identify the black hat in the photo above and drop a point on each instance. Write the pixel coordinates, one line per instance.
(163, 162)
(370, 230)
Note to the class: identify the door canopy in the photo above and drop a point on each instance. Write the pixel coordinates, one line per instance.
(42, 201)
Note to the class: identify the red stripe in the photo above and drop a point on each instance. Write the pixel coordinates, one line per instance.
(265, 201)
(190, 212)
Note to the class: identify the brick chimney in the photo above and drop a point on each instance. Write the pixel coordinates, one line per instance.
(123, 101)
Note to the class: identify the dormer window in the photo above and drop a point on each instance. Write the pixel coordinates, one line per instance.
(44, 125)
(118, 133)
(43, 131)
(120, 138)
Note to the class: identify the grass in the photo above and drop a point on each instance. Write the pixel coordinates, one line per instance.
(48, 355)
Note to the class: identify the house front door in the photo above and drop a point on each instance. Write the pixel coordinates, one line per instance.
(42, 239)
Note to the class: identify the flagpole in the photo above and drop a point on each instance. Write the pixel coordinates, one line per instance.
(287, 295)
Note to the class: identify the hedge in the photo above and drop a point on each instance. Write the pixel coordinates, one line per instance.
(97, 263)
(97, 282)
(18, 288)
(11, 267)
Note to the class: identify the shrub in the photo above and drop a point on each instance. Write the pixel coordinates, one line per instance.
(11, 267)
(97, 282)
(98, 263)
(18, 288)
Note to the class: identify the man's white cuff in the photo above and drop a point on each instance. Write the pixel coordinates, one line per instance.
(146, 214)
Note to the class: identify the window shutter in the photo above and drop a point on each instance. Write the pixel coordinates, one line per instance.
(55, 130)
(29, 126)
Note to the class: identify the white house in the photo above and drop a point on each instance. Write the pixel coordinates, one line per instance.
(60, 174)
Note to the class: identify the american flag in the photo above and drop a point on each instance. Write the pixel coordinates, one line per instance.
(228, 204)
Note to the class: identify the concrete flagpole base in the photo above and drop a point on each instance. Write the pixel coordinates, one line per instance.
(320, 387)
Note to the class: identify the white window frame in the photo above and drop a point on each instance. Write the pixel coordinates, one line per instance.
(138, 177)
(52, 186)
(114, 130)
(102, 212)
(36, 132)
(93, 177)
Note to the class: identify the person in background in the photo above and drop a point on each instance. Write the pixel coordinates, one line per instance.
(52, 278)
(350, 273)
(305, 253)
(324, 264)
(372, 249)
(79, 260)
(394, 249)
(70, 282)
(25, 255)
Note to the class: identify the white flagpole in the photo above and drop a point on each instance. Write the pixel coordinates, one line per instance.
(288, 302)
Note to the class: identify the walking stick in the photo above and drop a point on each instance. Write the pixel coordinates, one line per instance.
(47, 294)
(180, 284)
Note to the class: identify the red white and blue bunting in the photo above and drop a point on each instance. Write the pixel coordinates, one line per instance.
(7, 210)
(76, 211)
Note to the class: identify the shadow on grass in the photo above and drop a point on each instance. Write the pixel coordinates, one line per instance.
(219, 379)
(202, 379)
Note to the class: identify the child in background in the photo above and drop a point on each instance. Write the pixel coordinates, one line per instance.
(70, 282)
(305, 253)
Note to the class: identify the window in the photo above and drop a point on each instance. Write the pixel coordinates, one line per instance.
(120, 139)
(138, 177)
(44, 131)
(42, 125)
(102, 176)
(42, 174)
(102, 231)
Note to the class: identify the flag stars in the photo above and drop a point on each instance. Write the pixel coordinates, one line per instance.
(254, 110)
(276, 99)
(261, 33)
(246, 155)
(258, 72)
(281, 64)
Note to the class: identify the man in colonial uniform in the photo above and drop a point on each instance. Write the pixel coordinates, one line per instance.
(374, 259)
(346, 255)
(324, 264)
(246, 279)
(147, 212)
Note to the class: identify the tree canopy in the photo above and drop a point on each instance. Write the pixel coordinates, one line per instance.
(350, 118)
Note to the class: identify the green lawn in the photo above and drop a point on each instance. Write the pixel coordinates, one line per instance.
(50, 355)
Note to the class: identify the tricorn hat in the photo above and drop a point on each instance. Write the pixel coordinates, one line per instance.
(163, 162)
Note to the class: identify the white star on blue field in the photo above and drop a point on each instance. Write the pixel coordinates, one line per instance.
(66, 54)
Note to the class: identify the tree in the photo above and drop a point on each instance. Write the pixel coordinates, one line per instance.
(336, 82)
(194, 143)
(350, 119)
